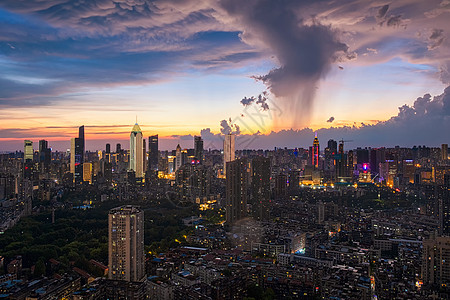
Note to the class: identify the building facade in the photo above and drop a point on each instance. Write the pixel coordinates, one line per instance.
(126, 243)
(236, 190)
(136, 151)
(228, 150)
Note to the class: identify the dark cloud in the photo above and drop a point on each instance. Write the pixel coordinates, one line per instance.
(330, 120)
(261, 100)
(304, 51)
(436, 38)
(228, 127)
(248, 101)
(390, 21)
(382, 11)
(394, 21)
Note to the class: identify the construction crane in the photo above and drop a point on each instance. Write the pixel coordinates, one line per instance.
(346, 141)
(341, 142)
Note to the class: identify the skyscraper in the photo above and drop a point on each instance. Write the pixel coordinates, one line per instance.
(108, 152)
(315, 152)
(178, 158)
(136, 153)
(77, 156)
(444, 151)
(144, 156)
(260, 187)
(126, 243)
(87, 172)
(82, 145)
(198, 149)
(153, 155)
(28, 151)
(228, 151)
(45, 154)
(236, 190)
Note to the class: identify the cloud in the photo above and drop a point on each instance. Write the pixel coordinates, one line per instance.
(436, 38)
(330, 120)
(304, 51)
(382, 11)
(227, 127)
(65, 47)
(394, 21)
(425, 122)
(261, 100)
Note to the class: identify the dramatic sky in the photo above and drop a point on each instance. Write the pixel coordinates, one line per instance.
(274, 71)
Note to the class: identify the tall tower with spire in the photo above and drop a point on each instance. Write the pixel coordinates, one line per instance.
(136, 151)
(315, 152)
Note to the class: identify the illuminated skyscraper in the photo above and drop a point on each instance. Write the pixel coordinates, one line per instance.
(144, 156)
(28, 151)
(136, 151)
(228, 150)
(153, 155)
(178, 158)
(126, 243)
(315, 152)
(87, 172)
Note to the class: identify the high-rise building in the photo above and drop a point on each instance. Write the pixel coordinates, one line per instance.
(260, 187)
(118, 148)
(436, 261)
(77, 156)
(236, 190)
(341, 168)
(388, 172)
(198, 149)
(444, 152)
(330, 153)
(28, 151)
(281, 185)
(178, 158)
(45, 155)
(136, 155)
(228, 151)
(87, 172)
(441, 195)
(126, 243)
(315, 152)
(332, 145)
(153, 156)
(362, 156)
(350, 164)
(144, 155)
(108, 153)
(82, 142)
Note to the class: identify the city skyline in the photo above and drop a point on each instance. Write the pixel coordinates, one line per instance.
(372, 72)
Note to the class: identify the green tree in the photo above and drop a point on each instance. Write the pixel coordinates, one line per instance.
(39, 268)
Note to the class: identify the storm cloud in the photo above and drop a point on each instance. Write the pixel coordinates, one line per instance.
(304, 51)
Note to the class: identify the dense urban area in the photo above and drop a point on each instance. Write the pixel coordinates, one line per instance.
(141, 223)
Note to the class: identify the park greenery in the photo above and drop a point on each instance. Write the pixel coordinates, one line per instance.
(77, 235)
